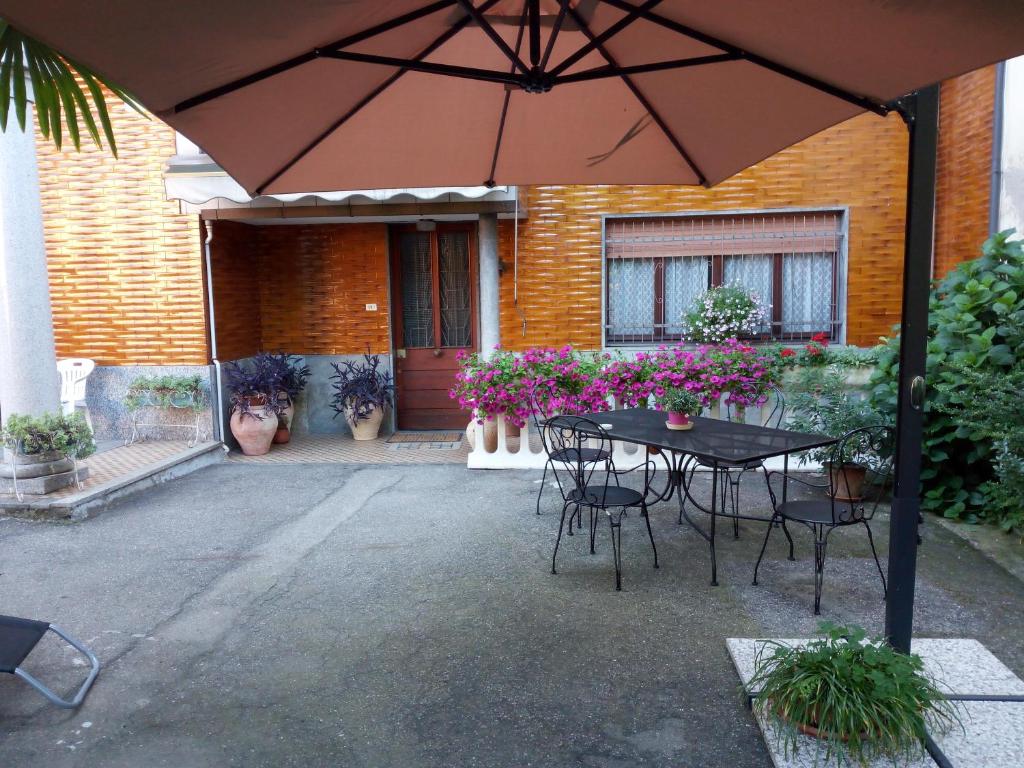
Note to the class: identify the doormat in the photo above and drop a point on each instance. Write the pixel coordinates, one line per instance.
(427, 438)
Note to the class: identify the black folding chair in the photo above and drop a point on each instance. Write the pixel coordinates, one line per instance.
(593, 484)
(872, 447)
(17, 639)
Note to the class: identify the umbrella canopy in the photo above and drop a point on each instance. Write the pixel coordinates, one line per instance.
(308, 95)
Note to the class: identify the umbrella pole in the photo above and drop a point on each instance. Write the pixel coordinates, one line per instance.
(920, 111)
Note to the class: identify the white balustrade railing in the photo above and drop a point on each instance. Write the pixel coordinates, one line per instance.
(525, 450)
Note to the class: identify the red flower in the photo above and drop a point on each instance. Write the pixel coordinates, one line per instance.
(820, 338)
(787, 352)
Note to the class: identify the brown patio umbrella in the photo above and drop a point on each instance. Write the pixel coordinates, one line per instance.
(313, 95)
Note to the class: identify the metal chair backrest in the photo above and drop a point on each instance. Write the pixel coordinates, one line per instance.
(566, 439)
(867, 451)
(776, 412)
(73, 374)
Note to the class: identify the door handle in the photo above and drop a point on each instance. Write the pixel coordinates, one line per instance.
(917, 390)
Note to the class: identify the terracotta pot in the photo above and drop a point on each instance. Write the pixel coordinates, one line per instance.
(848, 481)
(288, 412)
(490, 435)
(283, 434)
(254, 432)
(365, 429)
(679, 421)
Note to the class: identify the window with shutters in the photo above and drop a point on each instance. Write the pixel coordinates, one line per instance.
(657, 266)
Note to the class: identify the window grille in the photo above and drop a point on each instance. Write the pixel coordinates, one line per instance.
(657, 266)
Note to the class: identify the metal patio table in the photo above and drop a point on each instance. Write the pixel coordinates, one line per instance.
(715, 443)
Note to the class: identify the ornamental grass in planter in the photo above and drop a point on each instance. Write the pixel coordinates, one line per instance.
(860, 698)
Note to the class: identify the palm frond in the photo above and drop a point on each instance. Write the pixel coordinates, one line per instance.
(57, 83)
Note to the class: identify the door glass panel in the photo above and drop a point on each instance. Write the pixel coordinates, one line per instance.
(453, 268)
(417, 290)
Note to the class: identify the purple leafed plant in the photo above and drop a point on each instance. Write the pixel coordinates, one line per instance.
(360, 388)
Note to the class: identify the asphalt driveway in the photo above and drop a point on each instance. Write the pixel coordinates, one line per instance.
(406, 616)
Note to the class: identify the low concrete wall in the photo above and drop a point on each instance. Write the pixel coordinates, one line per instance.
(107, 386)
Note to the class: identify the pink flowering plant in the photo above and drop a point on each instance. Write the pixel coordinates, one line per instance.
(736, 371)
(565, 381)
(498, 384)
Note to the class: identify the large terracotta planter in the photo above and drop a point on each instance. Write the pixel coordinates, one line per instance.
(848, 481)
(489, 434)
(368, 428)
(254, 431)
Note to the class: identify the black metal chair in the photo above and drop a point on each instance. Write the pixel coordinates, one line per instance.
(729, 488)
(563, 455)
(17, 639)
(871, 447)
(594, 484)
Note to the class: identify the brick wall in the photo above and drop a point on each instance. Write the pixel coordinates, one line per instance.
(860, 163)
(301, 289)
(317, 281)
(126, 280)
(237, 287)
(962, 193)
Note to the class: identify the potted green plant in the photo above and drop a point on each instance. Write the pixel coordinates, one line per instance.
(254, 406)
(362, 392)
(165, 392)
(681, 405)
(822, 404)
(45, 446)
(860, 697)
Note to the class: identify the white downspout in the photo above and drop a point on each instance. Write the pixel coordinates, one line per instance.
(218, 397)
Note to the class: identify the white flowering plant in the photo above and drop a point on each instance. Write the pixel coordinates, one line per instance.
(724, 312)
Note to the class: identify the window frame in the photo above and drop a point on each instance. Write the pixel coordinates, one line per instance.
(715, 275)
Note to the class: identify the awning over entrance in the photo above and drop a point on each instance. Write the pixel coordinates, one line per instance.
(193, 177)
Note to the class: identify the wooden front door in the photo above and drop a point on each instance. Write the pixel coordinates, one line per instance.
(433, 279)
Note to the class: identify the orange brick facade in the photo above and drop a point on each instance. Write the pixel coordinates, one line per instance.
(860, 164)
(126, 276)
(300, 289)
(963, 192)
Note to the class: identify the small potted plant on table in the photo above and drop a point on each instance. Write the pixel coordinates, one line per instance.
(362, 392)
(681, 405)
(861, 698)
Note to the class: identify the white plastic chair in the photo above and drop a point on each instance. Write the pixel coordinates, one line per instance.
(73, 373)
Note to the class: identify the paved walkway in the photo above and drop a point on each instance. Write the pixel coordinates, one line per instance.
(337, 615)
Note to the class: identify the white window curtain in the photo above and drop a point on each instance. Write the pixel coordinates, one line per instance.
(807, 281)
(686, 278)
(753, 272)
(631, 297)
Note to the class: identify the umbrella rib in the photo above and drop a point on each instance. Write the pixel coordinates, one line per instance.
(492, 33)
(531, 6)
(598, 73)
(555, 29)
(304, 58)
(414, 65)
(613, 30)
(781, 69)
(638, 94)
(448, 34)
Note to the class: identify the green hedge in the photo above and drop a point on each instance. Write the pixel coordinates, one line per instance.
(976, 341)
